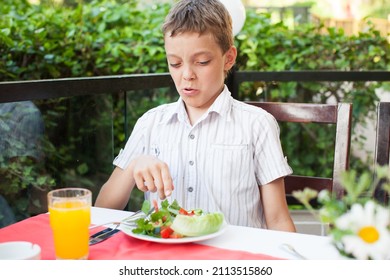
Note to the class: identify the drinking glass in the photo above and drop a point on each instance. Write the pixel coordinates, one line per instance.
(70, 217)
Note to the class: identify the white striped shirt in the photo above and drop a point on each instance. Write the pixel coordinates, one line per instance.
(218, 163)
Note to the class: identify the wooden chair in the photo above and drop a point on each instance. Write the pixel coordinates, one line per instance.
(382, 145)
(340, 115)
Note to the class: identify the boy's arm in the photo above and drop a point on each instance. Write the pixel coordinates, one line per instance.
(115, 193)
(275, 208)
(148, 172)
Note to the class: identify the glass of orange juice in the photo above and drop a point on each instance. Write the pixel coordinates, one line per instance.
(70, 218)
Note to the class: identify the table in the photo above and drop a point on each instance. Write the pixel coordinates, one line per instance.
(236, 242)
(251, 239)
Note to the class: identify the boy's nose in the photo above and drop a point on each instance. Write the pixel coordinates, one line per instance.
(188, 74)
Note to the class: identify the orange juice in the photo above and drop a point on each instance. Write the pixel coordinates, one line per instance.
(70, 221)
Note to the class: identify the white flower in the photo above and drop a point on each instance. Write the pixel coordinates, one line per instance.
(370, 238)
(325, 215)
(323, 196)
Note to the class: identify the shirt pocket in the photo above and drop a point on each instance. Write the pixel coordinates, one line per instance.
(229, 165)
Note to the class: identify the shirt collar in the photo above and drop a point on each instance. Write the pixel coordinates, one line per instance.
(221, 106)
(174, 112)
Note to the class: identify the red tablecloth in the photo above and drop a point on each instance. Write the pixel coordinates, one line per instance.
(120, 246)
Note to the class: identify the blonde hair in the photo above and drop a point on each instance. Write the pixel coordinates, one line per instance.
(201, 16)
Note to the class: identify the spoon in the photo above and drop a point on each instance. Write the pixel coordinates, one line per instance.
(292, 250)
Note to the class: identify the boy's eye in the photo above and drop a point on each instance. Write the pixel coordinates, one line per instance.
(174, 65)
(204, 62)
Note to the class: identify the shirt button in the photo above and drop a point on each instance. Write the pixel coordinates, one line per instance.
(191, 162)
(192, 136)
(190, 189)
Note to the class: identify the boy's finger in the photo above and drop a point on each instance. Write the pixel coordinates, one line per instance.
(161, 193)
(149, 182)
(139, 181)
(167, 180)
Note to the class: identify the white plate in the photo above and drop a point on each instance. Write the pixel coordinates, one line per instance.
(19, 250)
(128, 231)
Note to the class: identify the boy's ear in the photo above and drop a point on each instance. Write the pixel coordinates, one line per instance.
(231, 56)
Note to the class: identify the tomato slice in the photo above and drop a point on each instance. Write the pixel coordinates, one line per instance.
(166, 232)
(182, 211)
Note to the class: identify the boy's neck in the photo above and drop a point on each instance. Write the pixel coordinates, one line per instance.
(194, 114)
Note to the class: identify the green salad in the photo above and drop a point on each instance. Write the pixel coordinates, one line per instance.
(173, 221)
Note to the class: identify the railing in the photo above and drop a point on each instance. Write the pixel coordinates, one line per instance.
(45, 89)
(305, 76)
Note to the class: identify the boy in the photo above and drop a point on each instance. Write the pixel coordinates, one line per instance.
(206, 150)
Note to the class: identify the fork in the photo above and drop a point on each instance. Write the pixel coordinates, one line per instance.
(108, 232)
(129, 220)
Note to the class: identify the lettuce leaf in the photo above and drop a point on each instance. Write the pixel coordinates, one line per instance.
(197, 225)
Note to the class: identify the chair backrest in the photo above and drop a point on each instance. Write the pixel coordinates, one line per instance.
(339, 115)
(382, 144)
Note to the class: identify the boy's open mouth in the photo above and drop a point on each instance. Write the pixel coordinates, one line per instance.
(189, 91)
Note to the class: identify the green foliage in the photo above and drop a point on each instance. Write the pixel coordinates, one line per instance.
(109, 37)
(98, 38)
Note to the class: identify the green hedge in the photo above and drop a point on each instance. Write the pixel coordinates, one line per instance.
(99, 38)
(123, 37)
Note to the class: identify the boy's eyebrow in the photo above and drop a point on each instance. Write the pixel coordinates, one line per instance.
(195, 54)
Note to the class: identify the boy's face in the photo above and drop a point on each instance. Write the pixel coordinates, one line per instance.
(198, 66)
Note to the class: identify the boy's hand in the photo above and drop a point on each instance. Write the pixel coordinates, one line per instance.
(152, 174)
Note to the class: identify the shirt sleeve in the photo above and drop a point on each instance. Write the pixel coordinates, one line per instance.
(140, 138)
(135, 145)
(270, 162)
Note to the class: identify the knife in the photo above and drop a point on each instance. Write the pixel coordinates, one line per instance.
(102, 235)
